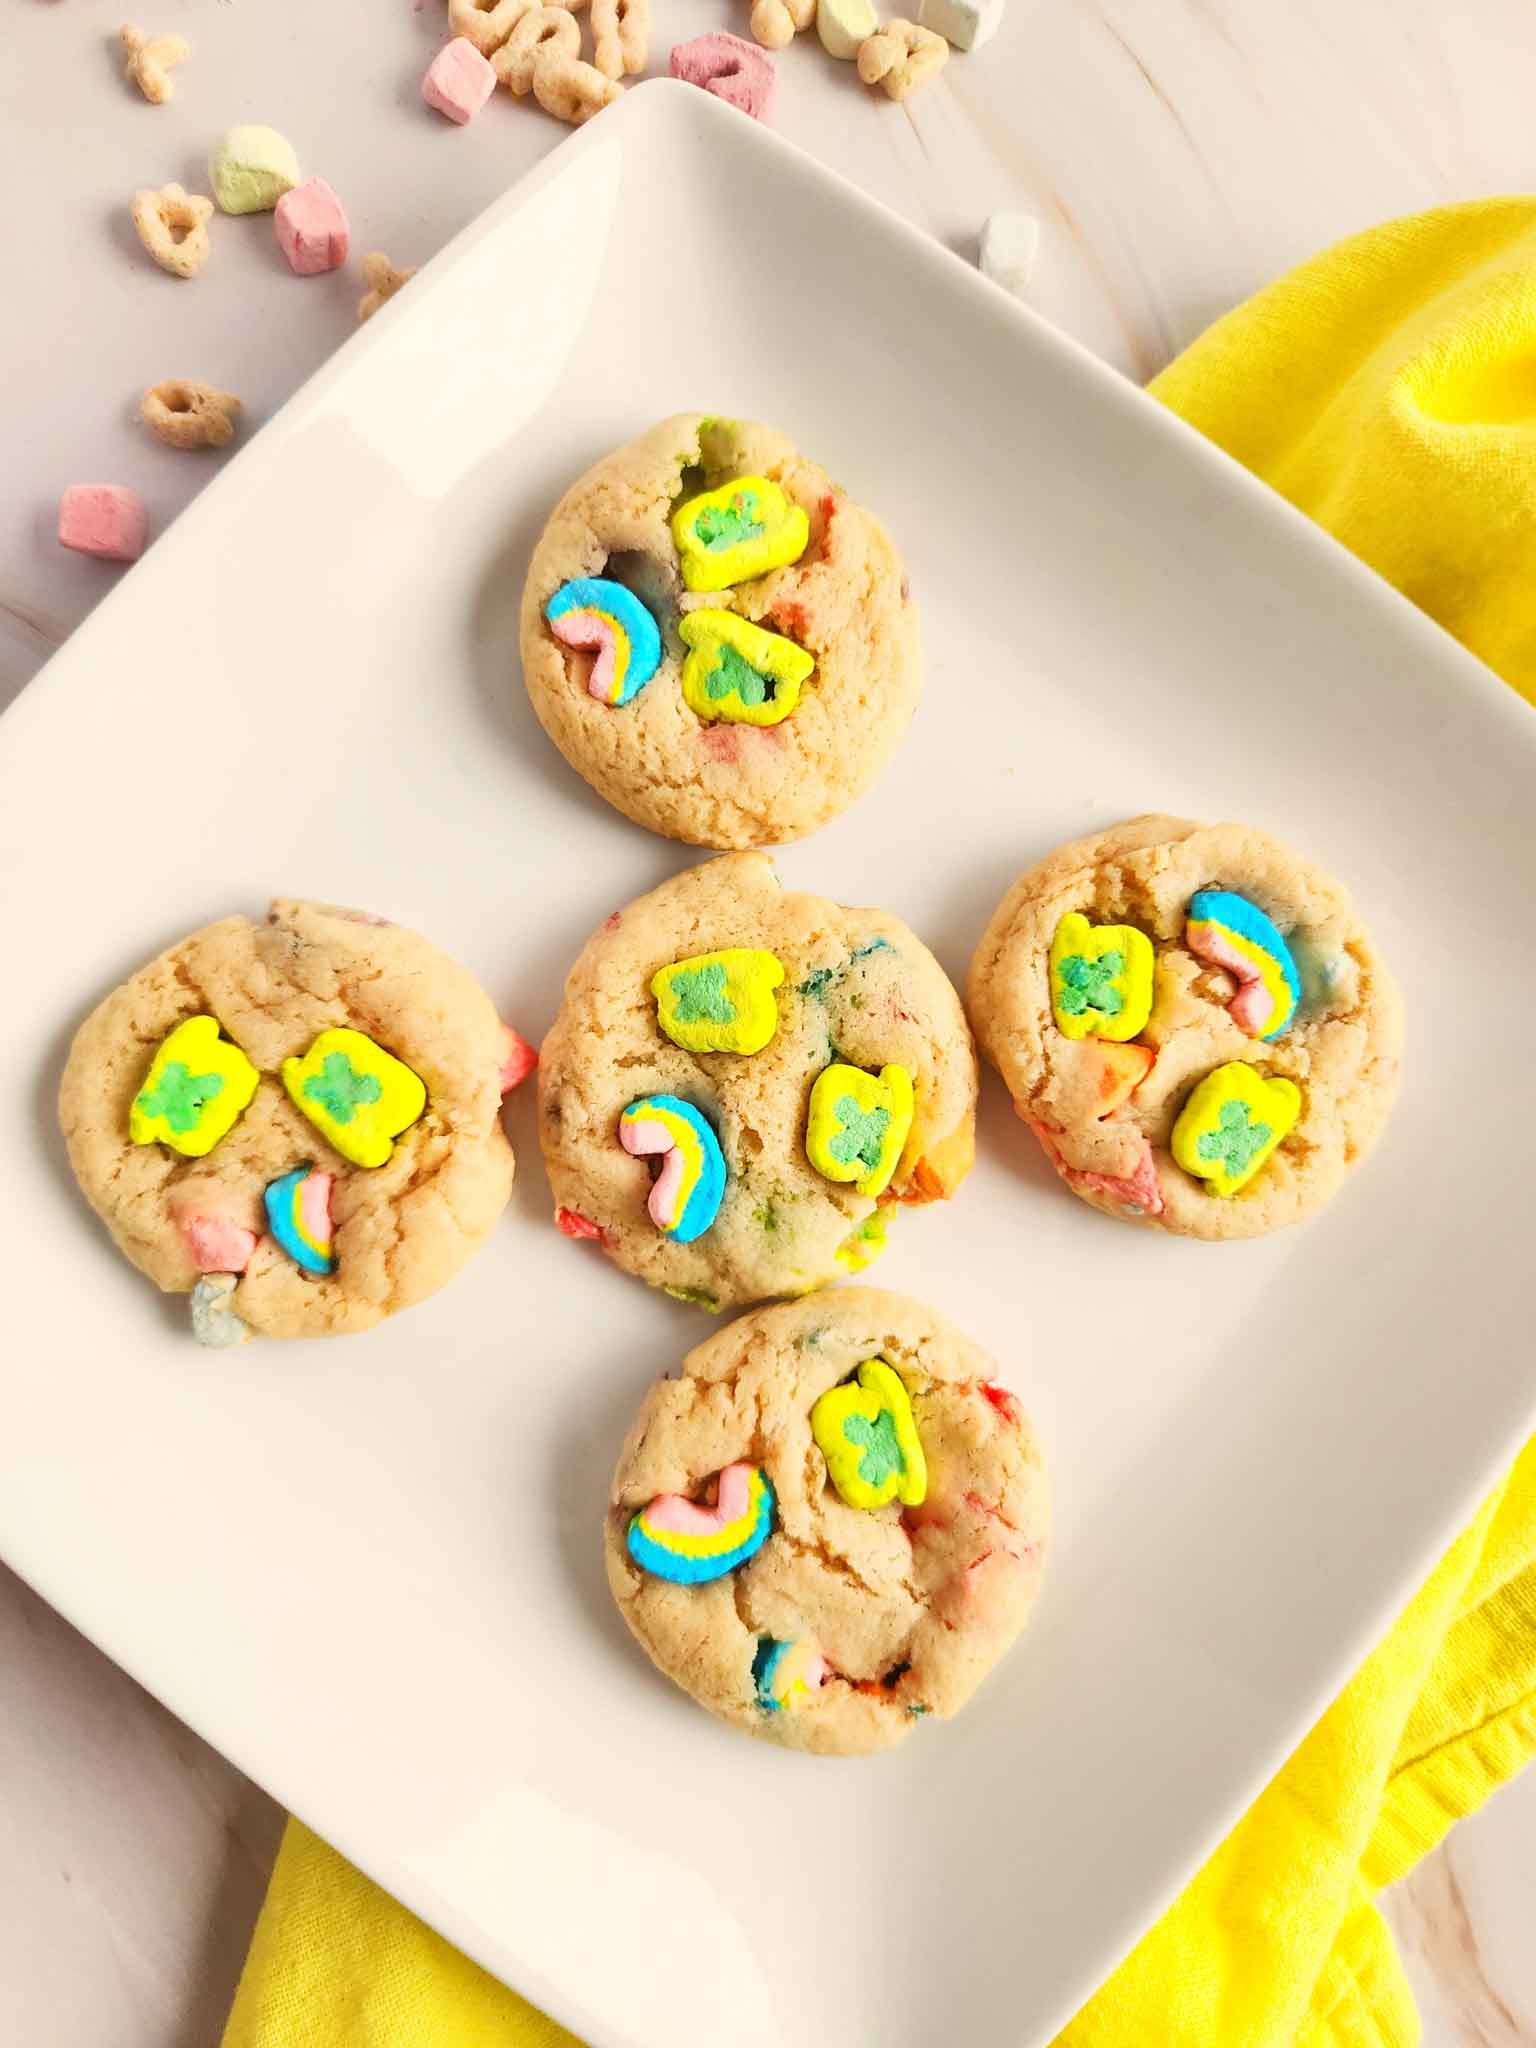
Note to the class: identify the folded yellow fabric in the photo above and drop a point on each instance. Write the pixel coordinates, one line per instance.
(1388, 388)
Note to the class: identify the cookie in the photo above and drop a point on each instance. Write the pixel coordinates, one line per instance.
(788, 1071)
(309, 1103)
(732, 737)
(831, 1523)
(1193, 1023)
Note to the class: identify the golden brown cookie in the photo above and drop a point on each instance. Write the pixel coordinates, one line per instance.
(1193, 1023)
(825, 675)
(323, 1033)
(756, 1583)
(833, 1005)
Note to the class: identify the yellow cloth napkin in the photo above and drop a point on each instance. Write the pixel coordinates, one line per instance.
(1388, 388)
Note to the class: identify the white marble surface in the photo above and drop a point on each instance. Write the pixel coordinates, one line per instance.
(1176, 152)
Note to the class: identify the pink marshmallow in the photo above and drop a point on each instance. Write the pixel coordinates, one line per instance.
(733, 70)
(518, 1060)
(312, 228)
(214, 1221)
(103, 519)
(459, 80)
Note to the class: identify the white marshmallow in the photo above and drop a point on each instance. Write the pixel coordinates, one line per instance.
(1009, 244)
(844, 24)
(965, 23)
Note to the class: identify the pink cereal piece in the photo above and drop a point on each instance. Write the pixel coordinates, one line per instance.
(571, 1223)
(732, 69)
(103, 519)
(312, 228)
(213, 1220)
(517, 1061)
(1141, 1193)
(459, 81)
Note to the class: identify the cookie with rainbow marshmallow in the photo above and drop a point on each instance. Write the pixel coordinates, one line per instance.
(295, 1120)
(1193, 1022)
(831, 1524)
(717, 637)
(744, 1084)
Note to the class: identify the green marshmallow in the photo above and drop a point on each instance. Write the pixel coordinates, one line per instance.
(251, 168)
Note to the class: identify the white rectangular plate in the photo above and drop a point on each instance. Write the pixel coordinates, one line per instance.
(370, 1571)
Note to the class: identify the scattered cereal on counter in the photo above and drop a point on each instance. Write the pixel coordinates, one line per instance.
(383, 281)
(251, 167)
(965, 23)
(103, 519)
(901, 57)
(185, 414)
(173, 226)
(312, 228)
(732, 69)
(150, 60)
(1010, 243)
(459, 80)
(844, 24)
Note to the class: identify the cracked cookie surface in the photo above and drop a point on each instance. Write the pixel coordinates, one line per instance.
(845, 602)
(906, 1609)
(399, 1231)
(1342, 1047)
(858, 987)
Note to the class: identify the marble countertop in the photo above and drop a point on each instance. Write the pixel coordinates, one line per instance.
(1177, 153)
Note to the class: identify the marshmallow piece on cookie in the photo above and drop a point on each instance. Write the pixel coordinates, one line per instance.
(251, 167)
(967, 24)
(312, 228)
(844, 24)
(459, 81)
(1010, 243)
(103, 519)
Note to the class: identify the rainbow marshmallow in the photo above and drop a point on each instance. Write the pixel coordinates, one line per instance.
(686, 1195)
(1234, 934)
(780, 1670)
(299, 1215)
(677, 1539)
(592, 612)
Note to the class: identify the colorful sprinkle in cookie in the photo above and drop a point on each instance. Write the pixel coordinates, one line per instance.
(1193, 1023)
(200, 1100)
(788, 661)
(845, 1602)
(722, 998)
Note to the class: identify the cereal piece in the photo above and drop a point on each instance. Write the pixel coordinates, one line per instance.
(733, 70)
(551, 30)
(298, 1207)
(740, 530)
(861, 1247)
(675, 1538)
(570, 90)
(383, 281)
(218, 1224)
(777, 22)
(251, 167)
(1101, 978)
(214, 1322)
(486, 23)
(571, 1223)
(1234, 934)
(593, 612)
(1136, 1193)
(965, 23)
(358, 1096)
(198, 1087)
(720, 1002)
(738, 671)
(1231, 1124)
(867, 1435)
(781, 1670)
(173, 226)
(185, 414)
(518, 1062)
(103, 519)
(844, 24)
(150, 59)
(857, 1124)
(312, 228)
(1112, 1072)
(901, 57)
(686, 1195)
(620, 36)
(1009, 244)
(459, 80)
